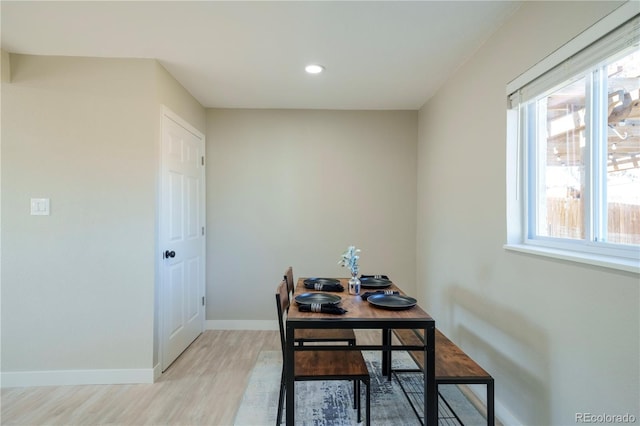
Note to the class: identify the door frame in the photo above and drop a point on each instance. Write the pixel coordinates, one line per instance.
(160, 330)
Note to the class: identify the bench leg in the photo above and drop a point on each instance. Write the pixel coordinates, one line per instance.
(356, 393)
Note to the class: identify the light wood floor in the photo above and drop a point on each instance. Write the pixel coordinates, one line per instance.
(204, 386)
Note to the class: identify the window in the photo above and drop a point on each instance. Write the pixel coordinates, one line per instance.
(576, 131)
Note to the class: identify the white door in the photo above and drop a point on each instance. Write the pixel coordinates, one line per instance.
(182, 241)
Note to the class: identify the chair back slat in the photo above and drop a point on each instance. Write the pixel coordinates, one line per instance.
(288, 276)
(282, 305)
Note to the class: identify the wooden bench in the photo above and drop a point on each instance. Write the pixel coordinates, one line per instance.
(453, 366)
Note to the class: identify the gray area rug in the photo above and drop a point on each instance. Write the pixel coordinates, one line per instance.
(324, 403)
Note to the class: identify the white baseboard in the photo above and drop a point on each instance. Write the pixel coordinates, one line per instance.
(12, 379)
(241, 325)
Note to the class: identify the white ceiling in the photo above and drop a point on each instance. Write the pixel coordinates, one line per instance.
(378, 55)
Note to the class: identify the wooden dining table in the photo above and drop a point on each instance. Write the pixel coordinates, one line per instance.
(363, 315)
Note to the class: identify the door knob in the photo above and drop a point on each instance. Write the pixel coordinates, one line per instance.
(168, 254)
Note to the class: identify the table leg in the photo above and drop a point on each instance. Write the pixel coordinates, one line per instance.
(491, 415)
(431, 388)
(289, 377)
(386, 355)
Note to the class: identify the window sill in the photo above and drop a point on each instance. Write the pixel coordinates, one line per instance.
(628, 265)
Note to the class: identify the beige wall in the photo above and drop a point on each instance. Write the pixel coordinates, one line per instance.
(558, 337)
(290, 187)
(5, 64)
(79, 286)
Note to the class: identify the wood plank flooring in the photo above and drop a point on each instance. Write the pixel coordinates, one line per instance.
(204, 386)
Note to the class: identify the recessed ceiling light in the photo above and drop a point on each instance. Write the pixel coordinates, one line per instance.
(314, 69)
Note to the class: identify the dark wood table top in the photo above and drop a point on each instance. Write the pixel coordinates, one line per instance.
(363, 315)
(357, 308)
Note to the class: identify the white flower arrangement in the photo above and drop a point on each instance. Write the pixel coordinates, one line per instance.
(350, 259)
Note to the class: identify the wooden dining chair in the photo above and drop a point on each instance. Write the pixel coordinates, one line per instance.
(322, 364)
(303, 336)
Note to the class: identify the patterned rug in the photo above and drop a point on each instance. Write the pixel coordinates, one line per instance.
(329, 403)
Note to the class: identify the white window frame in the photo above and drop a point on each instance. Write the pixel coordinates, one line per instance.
(600, 254)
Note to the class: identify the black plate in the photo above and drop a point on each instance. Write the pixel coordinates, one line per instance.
(309, 298)
(394, 302)
(313, 281)
(375, 282)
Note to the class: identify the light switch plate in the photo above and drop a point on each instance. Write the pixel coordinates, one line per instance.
(39, 207)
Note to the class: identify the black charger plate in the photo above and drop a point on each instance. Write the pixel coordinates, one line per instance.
(309, 298)
(394, 302)
(368, 282)
(311, 282)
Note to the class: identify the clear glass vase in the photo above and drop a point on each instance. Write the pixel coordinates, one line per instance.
(354, 284)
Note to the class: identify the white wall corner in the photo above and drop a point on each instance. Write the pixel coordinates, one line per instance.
(157, 372)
